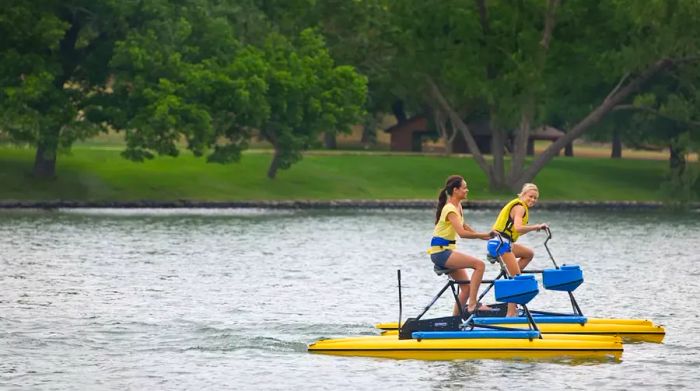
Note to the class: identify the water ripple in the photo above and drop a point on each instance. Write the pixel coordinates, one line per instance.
(224, 298)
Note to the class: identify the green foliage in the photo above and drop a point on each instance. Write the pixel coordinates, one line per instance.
(495, 60)
(32, 67)
(306, 94)
(287, 89)
(208, 72)
(214, 73)
(166, 81)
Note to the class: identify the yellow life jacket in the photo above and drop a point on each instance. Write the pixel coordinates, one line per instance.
(504, 222)
(445, 230)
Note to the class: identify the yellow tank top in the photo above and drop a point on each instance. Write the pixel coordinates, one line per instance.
(444, 228)
(504, 222)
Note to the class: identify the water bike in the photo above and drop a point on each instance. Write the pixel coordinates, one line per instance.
(459, 337)
(565, 279)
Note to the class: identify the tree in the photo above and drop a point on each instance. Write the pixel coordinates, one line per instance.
(181, 75)
(660, 40)
(73, 68)
(55, 55)
(286, 90)
(306, 94)
(668, 115)
(519, 61)
(210, 73)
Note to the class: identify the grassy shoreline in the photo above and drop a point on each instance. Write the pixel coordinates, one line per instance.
(91, 174)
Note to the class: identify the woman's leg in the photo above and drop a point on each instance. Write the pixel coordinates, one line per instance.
(461, 261)
(513, 269)
(524, 255)
(460, 275)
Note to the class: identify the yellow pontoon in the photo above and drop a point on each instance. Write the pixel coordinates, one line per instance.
(549, 347)
(630, 330)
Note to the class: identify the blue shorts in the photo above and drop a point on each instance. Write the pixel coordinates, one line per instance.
(493, 244)
(440, 259)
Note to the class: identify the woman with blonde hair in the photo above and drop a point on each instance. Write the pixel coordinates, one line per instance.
(511, 223)
(449, 223)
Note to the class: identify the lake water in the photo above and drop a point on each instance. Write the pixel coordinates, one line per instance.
(230, 298)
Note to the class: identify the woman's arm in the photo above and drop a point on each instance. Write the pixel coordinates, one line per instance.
(518, 213)
(482, 235)
(465, 231)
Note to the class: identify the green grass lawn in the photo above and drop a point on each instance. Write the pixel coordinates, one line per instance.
(93, 173)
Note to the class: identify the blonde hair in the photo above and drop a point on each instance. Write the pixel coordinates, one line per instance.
(527, 187)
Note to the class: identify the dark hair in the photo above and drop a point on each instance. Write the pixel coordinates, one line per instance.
(452, 182)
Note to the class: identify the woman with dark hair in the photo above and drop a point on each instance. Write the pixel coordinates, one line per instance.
(449, 223)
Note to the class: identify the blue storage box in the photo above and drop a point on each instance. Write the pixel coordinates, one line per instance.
(519, 290)
(568, 278)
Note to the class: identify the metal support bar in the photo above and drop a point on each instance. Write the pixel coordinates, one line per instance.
(444, 288)
(574, 304)
(398, 275)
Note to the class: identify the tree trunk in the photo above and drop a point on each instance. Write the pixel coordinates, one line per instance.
(397, 109)
(569, 150)
(677, 161)
(448, 136)
(329, 140)
(449, 146)
(522, 135)
(274, 165)
(45, 161)
(271, 136)
(451, 139)
(497, 176)
(368, 135)
(458, 123)
(616, 152)
(369, 130)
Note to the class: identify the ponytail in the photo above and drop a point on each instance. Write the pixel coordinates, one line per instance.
(442, 200)
(452, 182)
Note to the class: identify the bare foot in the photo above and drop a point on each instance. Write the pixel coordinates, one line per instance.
(482, 307)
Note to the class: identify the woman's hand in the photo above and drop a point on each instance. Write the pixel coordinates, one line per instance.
(542, 226)
(489, 235)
